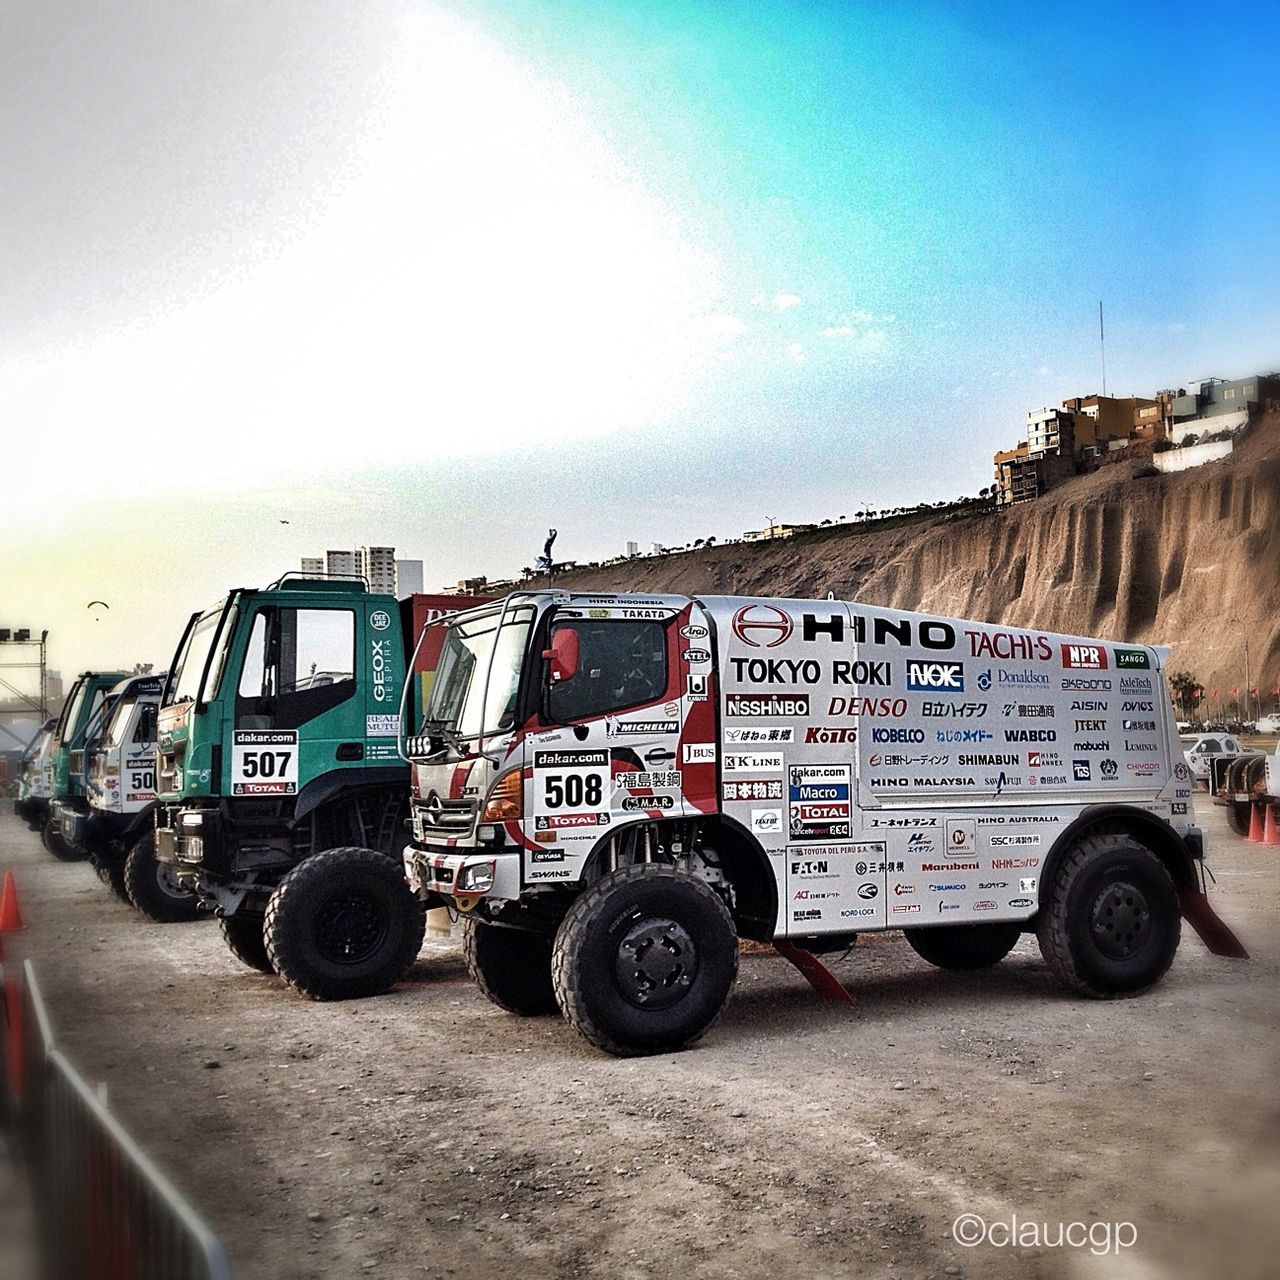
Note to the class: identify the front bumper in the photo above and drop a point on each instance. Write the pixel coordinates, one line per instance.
(467, 878)
(71, 817)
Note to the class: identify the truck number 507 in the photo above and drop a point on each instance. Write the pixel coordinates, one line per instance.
(265, 764)
(572, 790)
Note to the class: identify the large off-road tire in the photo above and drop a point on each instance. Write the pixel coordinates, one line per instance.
(111, 873)
(1239, 812)
(644, 960)
(243, 934)
(153, 886)
(1110, 924)
(51, 838)
(344, 924)
(511, 966)
(964, 946)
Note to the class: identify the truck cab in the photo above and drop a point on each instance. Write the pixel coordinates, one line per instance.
(32, 801)
(281, 794)
(68, 803)
(612, 790)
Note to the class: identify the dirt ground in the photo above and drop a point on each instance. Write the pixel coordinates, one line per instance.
(427, 1133)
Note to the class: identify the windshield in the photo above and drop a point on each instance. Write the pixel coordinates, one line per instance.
(101, 714)
(118, 721)
(71, 710)
(459, 685)
(184, 684)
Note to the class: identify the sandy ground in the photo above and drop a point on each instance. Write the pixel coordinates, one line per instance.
(426, 1133)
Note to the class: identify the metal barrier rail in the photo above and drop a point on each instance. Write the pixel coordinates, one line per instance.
(104, 1210)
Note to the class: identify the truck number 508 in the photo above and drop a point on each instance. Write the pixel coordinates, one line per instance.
(572, 790)
(266, 764)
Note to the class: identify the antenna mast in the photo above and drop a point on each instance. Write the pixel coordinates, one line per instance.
(1102, 339)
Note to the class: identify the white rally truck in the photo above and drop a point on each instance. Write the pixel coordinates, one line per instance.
(614, 789)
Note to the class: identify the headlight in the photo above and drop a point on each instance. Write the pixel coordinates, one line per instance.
(192, 819)
(476, 877)
(506, 800)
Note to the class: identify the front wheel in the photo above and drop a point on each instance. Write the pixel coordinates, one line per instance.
(154, 888)
(644, 960)
(52, 839)
(1110, 924)
(964, 946)
(512, 967)
(242, 933)
(111, 873)
(343, 924)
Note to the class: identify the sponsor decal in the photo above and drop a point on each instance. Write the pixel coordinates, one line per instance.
(766, 704)
(762, 626)
(1084, 657)
(1108, 768)
(557, 821)
(1180, 770)
(696, 655)
(766, 821)
(1043, 759)
(1086, 684)
(695, 632)
(926, 677)
(695, 686)
(1128, 659)
(381, 726)
(1006, 677)
(868, 891)
(558, 873)
(1031, 735)
(776, 670)
(1009, 646)
(965, 735)
(857, 913)
(1178, 808)
(945, 866)
(1082, 770)
(1095, 744)
(1138, 704)
(264, 762)
(762, 790)
(820, 805)
(953, 710)
(1135, 684)
(829, 737)
(892, 707)
(1027, 884)
(546, 855)
(1030, 710)
(1088, 704)
(962, 836)
(986, 760)
(752, 762)
(948, 906)
(905, 908)
(1005, 841)
(620, 728)
(1140, 746)
(988, 885)
(984, 904)
(814, 895)
(812, 913)
(984, 680)
(1021, 904)
(1144, 767)
(569, 759)
(815, 867)
(920, 842)
(1139, 726)
(1014, 864)
(860, 673)
(1091, 726)
(699, 753)
(948, 888)
(933, 634)
(753, 734)
(638, 780)
(379, 619)
(633, 804)
(901, 736)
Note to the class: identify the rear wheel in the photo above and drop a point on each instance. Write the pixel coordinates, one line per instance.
(111, 873)
(1110, 923)
(243, 934)
(343, 924)
(51, 837)
(153, 886)
(964, 946)
(511, 966)
(645, 960)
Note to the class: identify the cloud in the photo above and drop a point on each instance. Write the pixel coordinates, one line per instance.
(725, 326)
(796, 352)
(783, 301)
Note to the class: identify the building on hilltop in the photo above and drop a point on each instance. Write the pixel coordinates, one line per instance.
(775, 531)
(1220, 405)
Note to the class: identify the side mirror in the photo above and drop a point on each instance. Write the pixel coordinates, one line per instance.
(563, 654)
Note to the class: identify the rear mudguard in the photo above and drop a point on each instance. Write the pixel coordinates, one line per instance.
(1214, 933)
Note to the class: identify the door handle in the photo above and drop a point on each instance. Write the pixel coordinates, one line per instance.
(659, 755)
(350, 751)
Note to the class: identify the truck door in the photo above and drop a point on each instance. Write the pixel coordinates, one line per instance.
(632, 745)
(296, 714)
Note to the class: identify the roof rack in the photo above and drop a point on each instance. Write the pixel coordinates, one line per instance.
(295, 580)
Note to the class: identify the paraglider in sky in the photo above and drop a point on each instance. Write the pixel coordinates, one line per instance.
(102, 604)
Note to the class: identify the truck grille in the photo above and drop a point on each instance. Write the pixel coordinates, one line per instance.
(435, 816)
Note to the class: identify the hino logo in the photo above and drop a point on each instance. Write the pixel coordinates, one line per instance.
(931, 634)
(922, 677)
(762, 626)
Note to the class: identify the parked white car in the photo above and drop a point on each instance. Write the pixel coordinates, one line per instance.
(1269, 724)
(1199, 750)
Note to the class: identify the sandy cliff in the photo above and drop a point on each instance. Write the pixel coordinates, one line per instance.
(1190, 560)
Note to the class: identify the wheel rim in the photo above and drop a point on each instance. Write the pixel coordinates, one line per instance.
(350, 927)
(167, 879)
(656, 963)
(1121, 920)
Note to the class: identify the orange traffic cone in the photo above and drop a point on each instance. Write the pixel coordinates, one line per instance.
(1255, 824)
(1271, 828)
(10, 913)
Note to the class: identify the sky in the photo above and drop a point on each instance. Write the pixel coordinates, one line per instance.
(444, 275)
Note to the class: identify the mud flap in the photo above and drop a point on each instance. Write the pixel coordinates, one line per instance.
(1205, 921)
(819, 977)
